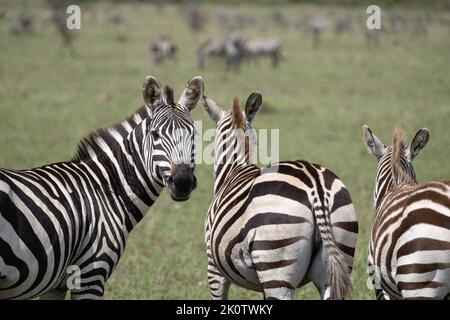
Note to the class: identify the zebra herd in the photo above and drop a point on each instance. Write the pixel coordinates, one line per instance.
(232, 49)
(270, 229)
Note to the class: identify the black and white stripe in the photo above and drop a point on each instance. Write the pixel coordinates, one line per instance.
(77, 215)
(227, 49)
(260, 47)
(409, 247)
(278, 228)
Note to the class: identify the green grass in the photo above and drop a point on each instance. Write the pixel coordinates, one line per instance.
(318, 98)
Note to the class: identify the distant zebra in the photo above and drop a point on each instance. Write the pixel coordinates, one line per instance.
(317, 25)
(24, 24)
(162, 49)
(419, 26)
(226, 48)
(76, 216)
(342, 25)
(409, 247)
(397, 26)
(372, 37)
(278, 18)
(118, 21)
(274, 229)
(257, 48)
(58, 16)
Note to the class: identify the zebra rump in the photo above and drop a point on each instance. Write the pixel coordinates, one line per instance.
(274, 229)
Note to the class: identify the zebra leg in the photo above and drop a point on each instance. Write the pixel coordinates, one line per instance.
(275, 60)
(91, 284)
(317, 273)
(218, 284)
(54, 294)
(278, 292)
(280, 275)
(86, 294)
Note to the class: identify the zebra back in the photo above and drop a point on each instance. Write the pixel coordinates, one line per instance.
(411, 221)
(266, 228)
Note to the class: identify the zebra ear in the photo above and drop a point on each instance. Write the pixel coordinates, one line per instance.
(192, 94)
(420, 140)
(213, 110)
(372, 142)
(151, 91)
(252, 106)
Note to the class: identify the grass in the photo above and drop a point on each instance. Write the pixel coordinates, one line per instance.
(318, 98)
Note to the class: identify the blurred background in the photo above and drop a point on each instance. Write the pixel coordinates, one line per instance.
(321, 72)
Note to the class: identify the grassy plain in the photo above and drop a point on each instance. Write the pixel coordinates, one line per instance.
(318, 98)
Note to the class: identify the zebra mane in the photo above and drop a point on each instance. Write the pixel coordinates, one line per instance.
(238, 120)
(168, 91)
(89, 142)
(399, 174)
(239, 123)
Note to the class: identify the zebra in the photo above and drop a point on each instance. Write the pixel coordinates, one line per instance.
(372, 37)
(419, 27)
(118, 21)
(278, 18)
(195, 17)
(317, 25)
(274, 229)
(77, 215)
(58, 16)
(343, 24)
(397, 25)
(256, 48)
(226, 48)
(24, 24)
(409, 246)
(224, 18)
(162, 49)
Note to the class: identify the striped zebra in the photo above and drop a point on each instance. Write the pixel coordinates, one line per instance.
(274, 229)
(227, 49)
(257, 48)
(76, 216)
(409, 247)
(162, 49)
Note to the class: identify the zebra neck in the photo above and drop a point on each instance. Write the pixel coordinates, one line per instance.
(226, 162)
(127, 180)
(223, 172)
(383, 188)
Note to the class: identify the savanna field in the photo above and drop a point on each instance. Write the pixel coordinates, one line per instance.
(318, 98)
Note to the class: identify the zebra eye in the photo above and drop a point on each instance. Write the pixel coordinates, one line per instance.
(155, 134)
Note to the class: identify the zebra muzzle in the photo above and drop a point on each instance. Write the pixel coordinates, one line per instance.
(181, 182)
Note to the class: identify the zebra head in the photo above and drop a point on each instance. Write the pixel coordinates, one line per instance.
(234, 135)
(169, 148)
(395, 161)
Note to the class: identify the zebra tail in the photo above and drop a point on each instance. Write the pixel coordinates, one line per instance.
(338, 275)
